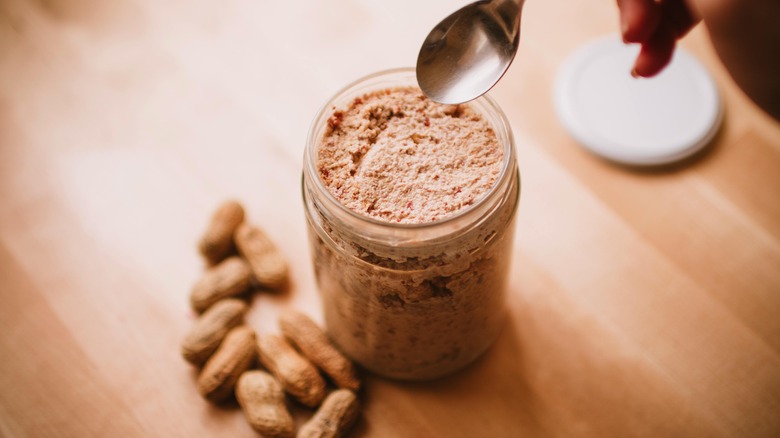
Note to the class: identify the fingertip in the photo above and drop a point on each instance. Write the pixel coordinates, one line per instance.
(647, 68)
(655, 54)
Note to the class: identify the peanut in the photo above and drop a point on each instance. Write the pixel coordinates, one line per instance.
(262, 400)
(206, 335)
(303, 333)
(296, 374)
(229, 278)
(267, 263)
(235, 355)
(217, 242)
(334, 418)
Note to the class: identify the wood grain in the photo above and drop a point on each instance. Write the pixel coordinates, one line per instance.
(643, 303)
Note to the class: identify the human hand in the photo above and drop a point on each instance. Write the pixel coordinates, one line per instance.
(656, 25)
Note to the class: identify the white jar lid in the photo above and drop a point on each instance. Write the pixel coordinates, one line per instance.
(636, 121)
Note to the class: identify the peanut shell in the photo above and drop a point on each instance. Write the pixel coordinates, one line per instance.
(297, 375)
(229, 278)
(235, 355)
(217, 242)
(268, 264)
(313, 343)
(211, 328)
(262, 399)
(334, 418)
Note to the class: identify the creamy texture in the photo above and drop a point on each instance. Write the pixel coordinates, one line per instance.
(396, 156)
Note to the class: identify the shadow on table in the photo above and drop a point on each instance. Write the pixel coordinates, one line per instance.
(494, 386)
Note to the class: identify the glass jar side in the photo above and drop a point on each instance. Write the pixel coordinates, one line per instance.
(420, 319)
(412, 301)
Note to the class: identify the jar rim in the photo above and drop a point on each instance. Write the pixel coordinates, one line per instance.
(508, 167)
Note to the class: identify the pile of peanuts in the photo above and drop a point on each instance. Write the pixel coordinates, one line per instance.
(241, 257)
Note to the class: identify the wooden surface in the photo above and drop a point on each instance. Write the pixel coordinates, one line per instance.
(643, 303)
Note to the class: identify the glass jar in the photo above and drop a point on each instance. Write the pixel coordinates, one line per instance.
(412, 301)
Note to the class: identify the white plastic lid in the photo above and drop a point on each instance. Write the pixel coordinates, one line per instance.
(636, 121)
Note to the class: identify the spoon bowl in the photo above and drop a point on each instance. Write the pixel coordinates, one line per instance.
(466, 54)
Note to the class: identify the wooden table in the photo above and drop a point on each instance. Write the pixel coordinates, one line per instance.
(644, 303)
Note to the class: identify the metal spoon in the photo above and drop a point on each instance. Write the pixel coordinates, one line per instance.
(468, 52)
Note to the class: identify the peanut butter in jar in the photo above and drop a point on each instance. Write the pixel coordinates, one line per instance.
(410, 206)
